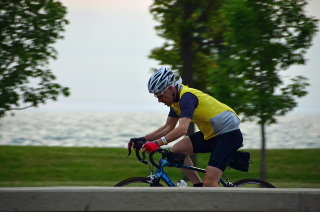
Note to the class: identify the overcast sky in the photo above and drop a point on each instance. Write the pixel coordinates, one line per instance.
(104, 57)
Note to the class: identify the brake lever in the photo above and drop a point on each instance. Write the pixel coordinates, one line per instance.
(137, 147)
(142, 160)
(129, 148)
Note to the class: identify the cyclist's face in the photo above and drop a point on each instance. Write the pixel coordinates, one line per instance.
(165, 97)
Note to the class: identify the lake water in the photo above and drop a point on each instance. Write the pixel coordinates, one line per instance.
(114, 129)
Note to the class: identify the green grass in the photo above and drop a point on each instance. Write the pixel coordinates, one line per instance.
(79, 166)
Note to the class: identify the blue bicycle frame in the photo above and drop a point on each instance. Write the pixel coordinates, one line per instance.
(161, 174)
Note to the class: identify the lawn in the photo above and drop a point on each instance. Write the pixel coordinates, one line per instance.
(83, 166)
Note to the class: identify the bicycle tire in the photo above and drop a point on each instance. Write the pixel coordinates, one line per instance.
(253, 182)
(136, 182)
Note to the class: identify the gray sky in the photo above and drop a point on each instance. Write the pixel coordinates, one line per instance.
(103, 58)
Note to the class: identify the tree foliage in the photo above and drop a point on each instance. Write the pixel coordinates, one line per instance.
(28, 30)
(262, 39)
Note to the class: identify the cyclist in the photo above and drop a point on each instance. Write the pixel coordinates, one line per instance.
(219, 132)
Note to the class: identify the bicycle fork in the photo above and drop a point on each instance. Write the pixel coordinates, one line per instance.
(155, 178)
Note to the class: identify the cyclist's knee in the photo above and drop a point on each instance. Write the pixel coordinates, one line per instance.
(184, 146)
(177, 149)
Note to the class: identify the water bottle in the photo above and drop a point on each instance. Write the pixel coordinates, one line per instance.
(182, 183)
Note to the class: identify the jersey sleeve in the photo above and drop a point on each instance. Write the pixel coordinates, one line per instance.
(188, 103)
(173, 113)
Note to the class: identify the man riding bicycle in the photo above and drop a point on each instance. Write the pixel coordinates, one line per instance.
(219, 132)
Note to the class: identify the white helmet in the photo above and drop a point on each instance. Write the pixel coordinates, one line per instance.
(161, 80)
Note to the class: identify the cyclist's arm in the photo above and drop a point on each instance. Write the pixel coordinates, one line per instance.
(188, 104)
(179, 131)
(164, 130)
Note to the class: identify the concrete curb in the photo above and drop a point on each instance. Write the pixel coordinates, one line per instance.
(158, 199)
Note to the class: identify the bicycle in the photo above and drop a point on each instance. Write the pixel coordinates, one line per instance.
(170, 159)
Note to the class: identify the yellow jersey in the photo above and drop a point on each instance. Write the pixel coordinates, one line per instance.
(211, 116)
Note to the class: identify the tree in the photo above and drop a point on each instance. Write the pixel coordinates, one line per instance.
(28, 30)
(187, 26)
(262, 39)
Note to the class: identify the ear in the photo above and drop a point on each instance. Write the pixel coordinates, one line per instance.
(171, 88)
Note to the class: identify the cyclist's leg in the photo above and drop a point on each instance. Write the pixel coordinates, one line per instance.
(212, 177)
(225, 145)
(184, 146)
(194, 143)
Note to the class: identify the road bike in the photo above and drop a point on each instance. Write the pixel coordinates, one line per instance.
(159, 177)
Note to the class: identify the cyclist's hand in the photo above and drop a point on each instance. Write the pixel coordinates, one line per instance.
(133, 141)
(150, 147)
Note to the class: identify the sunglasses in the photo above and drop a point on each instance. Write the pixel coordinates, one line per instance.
(160, 95)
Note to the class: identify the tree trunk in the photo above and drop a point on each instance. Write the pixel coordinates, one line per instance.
(263, 167)
(187, 52)
(187, 55)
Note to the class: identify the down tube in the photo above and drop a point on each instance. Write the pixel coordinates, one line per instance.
(165, 177)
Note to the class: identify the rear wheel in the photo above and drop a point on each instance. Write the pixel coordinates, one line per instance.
(252, 182)
(137, 182)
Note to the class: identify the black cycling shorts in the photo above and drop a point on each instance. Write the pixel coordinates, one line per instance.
(222, 147)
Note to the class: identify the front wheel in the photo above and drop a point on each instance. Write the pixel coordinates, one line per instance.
(137, 182)
(252, 182)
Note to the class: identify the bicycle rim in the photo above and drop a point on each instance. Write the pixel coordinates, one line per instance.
(137, 182)
(253, 183)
